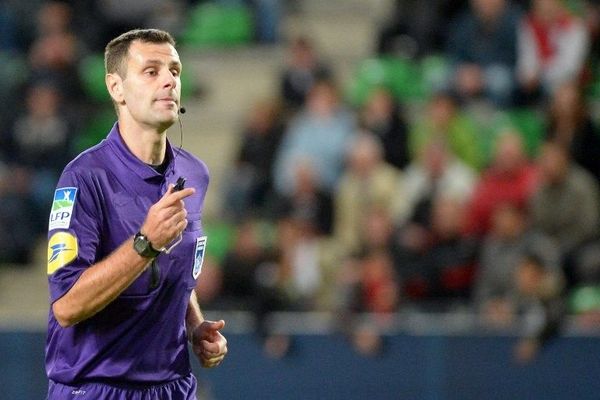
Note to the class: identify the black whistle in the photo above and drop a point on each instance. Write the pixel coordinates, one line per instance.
(179, 185)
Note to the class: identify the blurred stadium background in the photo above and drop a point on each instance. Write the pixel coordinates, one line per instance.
(391, 214)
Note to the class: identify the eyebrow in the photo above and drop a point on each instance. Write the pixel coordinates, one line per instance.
(159, 62)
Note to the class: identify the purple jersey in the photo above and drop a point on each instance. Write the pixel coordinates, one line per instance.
(101, 200)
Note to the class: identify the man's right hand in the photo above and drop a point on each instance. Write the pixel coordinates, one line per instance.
(166, 218)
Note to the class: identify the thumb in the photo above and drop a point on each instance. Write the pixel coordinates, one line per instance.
(216, 325)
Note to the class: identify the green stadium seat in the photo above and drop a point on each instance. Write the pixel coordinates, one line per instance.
(434, 71)
(215, 26)
(584, 299)
(220, 238)
(401, 76)
(91, 71)
(530, 124)
(96, 130)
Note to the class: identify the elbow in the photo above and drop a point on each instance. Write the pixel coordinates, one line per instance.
(64, 315)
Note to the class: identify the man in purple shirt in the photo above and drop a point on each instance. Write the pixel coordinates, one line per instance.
(126, 245)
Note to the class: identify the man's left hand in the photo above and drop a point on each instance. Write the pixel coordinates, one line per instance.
(209, 345)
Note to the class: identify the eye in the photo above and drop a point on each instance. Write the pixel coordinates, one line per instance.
(151, 72)
(175, 72)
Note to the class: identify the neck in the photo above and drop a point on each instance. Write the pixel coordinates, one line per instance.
(146, 143)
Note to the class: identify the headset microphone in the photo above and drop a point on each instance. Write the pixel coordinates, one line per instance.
(181, 110)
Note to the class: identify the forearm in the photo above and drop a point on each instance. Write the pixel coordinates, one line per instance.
(99, 285)
(193, 316)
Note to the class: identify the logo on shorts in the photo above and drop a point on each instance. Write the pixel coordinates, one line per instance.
(62, 249)
(199, 256)
(62, 208)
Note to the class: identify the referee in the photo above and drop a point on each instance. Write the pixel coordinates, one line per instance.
(125, 245)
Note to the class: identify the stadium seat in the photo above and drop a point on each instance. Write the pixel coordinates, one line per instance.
(528, 122)
(220, 238)
(584, 299)
(401, 76)
(91, 71)
(97, 129)
(215, 26)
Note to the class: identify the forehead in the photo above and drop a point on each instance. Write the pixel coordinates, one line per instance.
(141, 53)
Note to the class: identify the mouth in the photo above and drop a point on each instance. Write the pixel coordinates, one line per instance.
(167, 100)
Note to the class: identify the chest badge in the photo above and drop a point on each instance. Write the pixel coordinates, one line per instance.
(199, 256)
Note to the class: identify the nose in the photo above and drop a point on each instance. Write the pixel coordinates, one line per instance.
(170, 80)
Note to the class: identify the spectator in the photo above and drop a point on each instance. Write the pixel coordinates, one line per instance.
(417, 28)
(510, 179)
(508, 241)
(370, 285)
(240, 281)
(367, 184)
(566, 205)
(250, 182)
(542, 307)
(381, 116)
(434, 172)
(122, 15)
(435, 261)
(19, 217)
(319, 134)
(40, 142)
(572, 127)
(482, 46)
(443, 120)
(56, 50)
(553, 46)
(303, 70)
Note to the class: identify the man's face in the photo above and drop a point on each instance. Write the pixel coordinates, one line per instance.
(152, 84)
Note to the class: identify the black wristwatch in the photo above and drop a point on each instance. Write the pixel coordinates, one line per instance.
(143, 247)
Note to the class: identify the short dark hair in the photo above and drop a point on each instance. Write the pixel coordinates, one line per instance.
(116, 50)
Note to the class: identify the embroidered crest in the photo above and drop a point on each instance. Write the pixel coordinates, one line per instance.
(62, 208)
(199, 256)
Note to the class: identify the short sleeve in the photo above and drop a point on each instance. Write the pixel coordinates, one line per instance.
(73, 232)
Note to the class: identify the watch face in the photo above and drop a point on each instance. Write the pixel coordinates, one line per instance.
(140, 244)
(143, 247)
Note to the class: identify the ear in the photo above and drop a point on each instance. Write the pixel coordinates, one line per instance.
(114, 84)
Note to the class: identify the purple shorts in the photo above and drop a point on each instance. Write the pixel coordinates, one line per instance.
(179, 389)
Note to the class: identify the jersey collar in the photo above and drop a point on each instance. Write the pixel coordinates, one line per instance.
(136, 165)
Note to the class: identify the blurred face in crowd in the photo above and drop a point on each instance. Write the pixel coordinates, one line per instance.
(547, 10)
(150, 89)
(42, 101)
(566, 102)
(54, 17)
(263, 117)
(379, 107)
(508, 222)
(247, 243)
(435, 158)
(378, 229)
(488, 10)
(322, 99)
(529, 275)
(509, 154)
(553, 163)
(441, 110)
(365, 155)
(302, 55)
(447, 217)
(305, 178)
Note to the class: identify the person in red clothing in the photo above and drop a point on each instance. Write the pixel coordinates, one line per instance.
(510, 179)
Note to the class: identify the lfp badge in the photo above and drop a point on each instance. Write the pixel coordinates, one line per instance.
(62, 208)
(199, 256)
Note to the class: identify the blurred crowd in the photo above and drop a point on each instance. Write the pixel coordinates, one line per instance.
(372, 206)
